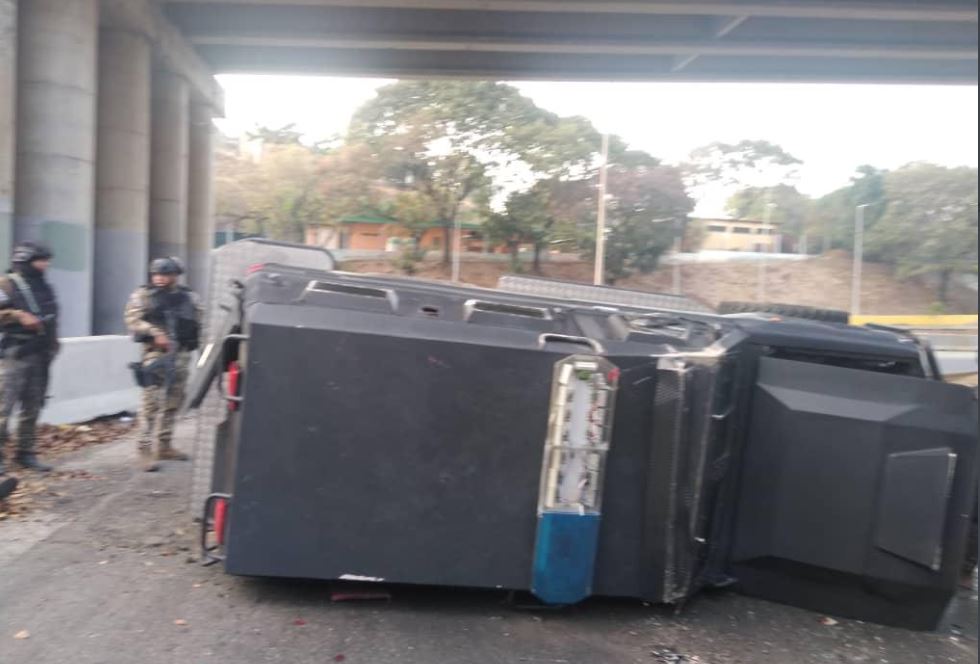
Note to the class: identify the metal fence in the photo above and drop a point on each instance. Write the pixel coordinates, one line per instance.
(229, 262)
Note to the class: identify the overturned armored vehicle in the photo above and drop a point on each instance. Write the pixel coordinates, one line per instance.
(389, 429)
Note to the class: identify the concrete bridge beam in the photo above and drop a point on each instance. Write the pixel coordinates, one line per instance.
(122, 175)
(200, 198)
(55, 167)
(168, 165)
(8, 104)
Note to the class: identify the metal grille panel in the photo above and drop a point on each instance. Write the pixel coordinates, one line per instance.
(229, 262)
(585, 292)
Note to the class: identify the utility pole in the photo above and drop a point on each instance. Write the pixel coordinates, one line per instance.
(858, 258)
(457, 246)
(598, 276)
(678, 245)
(767, 222)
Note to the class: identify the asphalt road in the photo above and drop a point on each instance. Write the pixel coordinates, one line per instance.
(104, 574)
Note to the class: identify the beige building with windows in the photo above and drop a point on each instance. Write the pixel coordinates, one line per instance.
(739, 235)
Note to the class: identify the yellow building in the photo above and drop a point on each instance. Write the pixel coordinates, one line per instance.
(739, 235)
(372, 233)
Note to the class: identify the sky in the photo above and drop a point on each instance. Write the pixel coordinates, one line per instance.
(832, 128)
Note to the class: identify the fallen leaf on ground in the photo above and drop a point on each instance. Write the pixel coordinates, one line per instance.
(827, 620)
(180, 622)
(22, 634)
(299, 621)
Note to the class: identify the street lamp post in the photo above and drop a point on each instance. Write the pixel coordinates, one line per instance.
(678, 246)
(457, 247)
(767, 222)
(858, 258)
(600, 226)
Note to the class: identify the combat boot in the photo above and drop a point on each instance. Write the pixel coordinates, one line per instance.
(30, 461)
(147, 463)
(167, 453)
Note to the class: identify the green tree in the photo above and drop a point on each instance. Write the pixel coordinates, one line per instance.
(647, 207)
(450, 139)
(746, 163)
(285, 135)
(791, 210)
(277, 195)
(929, 225)
(527, 219)
(832, 216)
(414, 212)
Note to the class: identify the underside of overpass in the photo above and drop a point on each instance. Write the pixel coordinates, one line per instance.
(687, 40)
(106, 105)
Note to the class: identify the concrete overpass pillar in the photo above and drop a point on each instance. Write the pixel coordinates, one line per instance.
(8, 104)
(168, 165)
(55, 176)
(200, 199)
(122, 175)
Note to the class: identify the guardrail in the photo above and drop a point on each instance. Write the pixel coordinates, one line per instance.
(956, 333)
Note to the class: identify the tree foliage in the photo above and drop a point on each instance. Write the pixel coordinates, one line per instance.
(832, 216)
(449, 139)
(277, 196)
(746, 163)
(930, 223)
(790, 209)
(647, 208)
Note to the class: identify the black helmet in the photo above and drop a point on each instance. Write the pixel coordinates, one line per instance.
(169, 265)
(26, 252)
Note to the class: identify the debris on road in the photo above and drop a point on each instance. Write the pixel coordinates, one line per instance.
(828, 621)
(180, 622)
(22, 634)
(52, 442)
(668, 655)
(63, 438)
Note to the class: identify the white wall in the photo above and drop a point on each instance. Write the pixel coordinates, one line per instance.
(90, 377)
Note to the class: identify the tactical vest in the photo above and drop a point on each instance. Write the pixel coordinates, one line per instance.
(173, 310)
(34, 295)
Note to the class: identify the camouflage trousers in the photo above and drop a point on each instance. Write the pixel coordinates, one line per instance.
(159, 405)
(23, 382)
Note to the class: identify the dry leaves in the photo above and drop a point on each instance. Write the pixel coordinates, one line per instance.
(53, 441)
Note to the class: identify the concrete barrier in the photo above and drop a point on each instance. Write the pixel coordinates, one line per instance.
(90, 378)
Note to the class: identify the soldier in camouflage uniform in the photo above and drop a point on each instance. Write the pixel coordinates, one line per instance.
(165, 317)
(29, 324)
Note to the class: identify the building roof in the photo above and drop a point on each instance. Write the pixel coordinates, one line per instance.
(722, 220)
(379, 220)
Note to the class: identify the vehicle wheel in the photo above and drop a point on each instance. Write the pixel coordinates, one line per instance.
(788, 310)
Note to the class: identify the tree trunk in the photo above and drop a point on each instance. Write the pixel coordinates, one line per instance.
(536, 265)
(447, 241)
(515, 255)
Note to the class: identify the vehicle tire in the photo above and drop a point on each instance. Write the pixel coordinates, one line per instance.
(788, 310)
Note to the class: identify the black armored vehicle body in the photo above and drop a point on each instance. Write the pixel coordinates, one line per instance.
(386, 429)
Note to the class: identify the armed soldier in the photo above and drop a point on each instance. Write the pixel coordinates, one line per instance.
(165, 317)
(29, 322)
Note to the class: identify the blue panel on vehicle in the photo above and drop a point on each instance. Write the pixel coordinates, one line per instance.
(564, 557)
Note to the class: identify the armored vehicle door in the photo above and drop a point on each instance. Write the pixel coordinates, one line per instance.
(855, 492)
